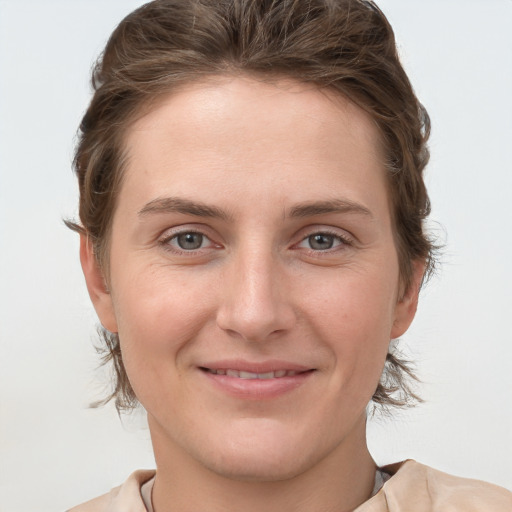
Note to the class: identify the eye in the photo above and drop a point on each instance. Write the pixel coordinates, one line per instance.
(322, 241)
(190, 241)
(187, 241)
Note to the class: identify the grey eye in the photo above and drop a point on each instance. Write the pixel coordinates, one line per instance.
(189, 241)
(321, 241)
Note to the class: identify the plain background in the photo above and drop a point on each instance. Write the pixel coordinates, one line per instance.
(56, 452)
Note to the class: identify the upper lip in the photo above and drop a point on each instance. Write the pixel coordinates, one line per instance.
(255, 367)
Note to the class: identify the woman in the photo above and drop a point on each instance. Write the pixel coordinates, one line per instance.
(251, 223)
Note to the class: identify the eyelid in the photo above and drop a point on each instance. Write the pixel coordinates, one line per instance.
(345, 237)
(174, 232)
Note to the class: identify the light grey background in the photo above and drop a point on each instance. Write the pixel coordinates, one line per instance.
(54, 451)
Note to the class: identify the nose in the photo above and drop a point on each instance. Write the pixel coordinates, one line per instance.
(255, 305)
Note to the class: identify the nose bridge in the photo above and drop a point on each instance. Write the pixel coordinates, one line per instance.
(254, 303)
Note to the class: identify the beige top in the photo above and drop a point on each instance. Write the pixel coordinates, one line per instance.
(413, 487)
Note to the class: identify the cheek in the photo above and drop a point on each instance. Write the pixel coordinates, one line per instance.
(354, 301)
(158, 312)
(354, 317)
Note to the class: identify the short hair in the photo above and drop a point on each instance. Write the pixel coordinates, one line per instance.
(346, 46)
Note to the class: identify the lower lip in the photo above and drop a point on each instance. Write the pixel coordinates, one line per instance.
(257, 389)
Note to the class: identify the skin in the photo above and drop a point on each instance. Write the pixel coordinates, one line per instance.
(259, 287)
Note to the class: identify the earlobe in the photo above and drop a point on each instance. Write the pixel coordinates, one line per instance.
(406, 306)
(96, 286)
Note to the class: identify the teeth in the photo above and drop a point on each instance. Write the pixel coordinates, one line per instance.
(248, 375)
(251, 375)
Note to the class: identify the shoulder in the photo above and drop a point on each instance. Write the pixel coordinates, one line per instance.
(428, 490)
(126, 497)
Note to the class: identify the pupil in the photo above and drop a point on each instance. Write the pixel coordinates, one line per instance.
(190, 241)
(321, 241)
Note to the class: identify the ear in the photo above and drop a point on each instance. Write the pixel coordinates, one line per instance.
(96, 285)
(406, 306)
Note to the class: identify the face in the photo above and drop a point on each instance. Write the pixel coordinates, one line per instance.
(253, 275)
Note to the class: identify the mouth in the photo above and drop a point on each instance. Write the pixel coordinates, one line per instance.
(253, 381)
(241, 374)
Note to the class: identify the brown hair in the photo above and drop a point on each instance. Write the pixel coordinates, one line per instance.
(344, 45)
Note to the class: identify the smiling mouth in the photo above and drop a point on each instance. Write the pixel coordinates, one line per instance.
(256, 381)
(240, 374)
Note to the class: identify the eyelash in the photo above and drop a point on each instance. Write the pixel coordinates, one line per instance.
(167, 244)
(343, 241)
(166, 241)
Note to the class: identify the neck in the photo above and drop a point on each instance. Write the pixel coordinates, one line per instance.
(340, 482)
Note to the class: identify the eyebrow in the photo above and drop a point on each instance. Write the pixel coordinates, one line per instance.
(325, 207)
(199, 209)
(185, 206)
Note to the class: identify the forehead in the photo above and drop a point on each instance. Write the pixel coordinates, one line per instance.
(283, 106)
(247, 129)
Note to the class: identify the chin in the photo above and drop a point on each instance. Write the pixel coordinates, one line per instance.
(252, 467)
(264, 453)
